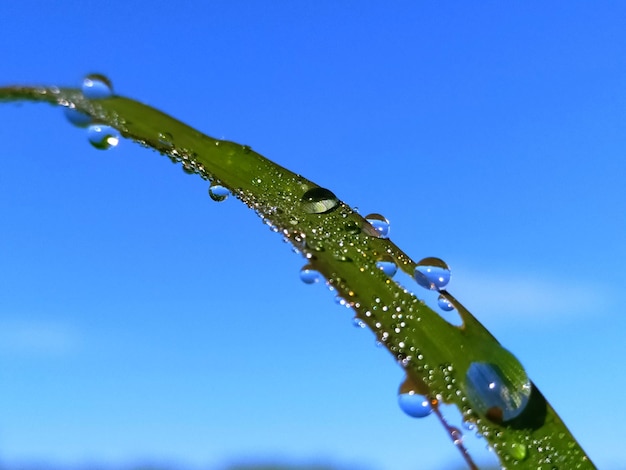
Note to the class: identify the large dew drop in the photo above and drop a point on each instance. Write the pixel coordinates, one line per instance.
(414, 404)
(103, 137)
(432, 273)
(218, 192)
(309, 275)
(77, 118)
(380, 225)
(500, 394)
(319, 201)
(96, 86)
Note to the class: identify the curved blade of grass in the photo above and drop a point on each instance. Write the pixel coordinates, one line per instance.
(344, 247)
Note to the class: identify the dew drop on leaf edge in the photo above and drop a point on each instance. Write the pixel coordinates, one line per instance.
(103, 137)
(166, 139)
(380, 224)
(414, 404)
(319, 201)
(432, 273)
(218, 192)
(309, 275)
(97, 86)
(444, 304)
(76, 117)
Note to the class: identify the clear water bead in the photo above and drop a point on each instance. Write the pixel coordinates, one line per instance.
(387, 266)
(380, 224)
(444, 304)
(309, 275)
(319, 201)
(414, 404)
(499, 393)
(96, 86)
(76, 118)
(166, 139)
(103, 137)
(218, 192)
(432, 273)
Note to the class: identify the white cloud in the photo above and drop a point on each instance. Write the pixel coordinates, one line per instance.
(37, 337)
(542, 299)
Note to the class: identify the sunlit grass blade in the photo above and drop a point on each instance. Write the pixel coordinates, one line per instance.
(463, 365)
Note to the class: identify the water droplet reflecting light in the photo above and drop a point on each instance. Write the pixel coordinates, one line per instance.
(76, 118)
(96, 86)
(319, 201)
(432, 273)
(414, 404)
(387, 266)
(380, 224)
(218, 192)
(103, 137)
(166, 139)
(308, 275)
(498, 395)
(444, 304)
(518, 451)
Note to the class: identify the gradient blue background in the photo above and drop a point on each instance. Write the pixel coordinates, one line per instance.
(141, 320)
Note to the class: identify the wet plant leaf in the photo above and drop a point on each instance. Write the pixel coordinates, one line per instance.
(459, 364)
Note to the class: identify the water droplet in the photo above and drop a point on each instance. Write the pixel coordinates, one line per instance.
(456, 435)
(308, 275)
(352, 227)
(500, 394)
(444, 304)
(103, 137)
(96, 86)
(166, 139)
(518, 451)
(380, 224)
(432, 273)
(358, 323)
(388, 266)
(319, 201)
(218, 192)
(414, 404)
(76, 117)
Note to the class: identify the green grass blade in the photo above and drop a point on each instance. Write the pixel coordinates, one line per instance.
(447, 363)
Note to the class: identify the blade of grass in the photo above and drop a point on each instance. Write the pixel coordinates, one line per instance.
(339, 243)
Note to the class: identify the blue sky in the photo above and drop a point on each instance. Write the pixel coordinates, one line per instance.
(139, 319)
